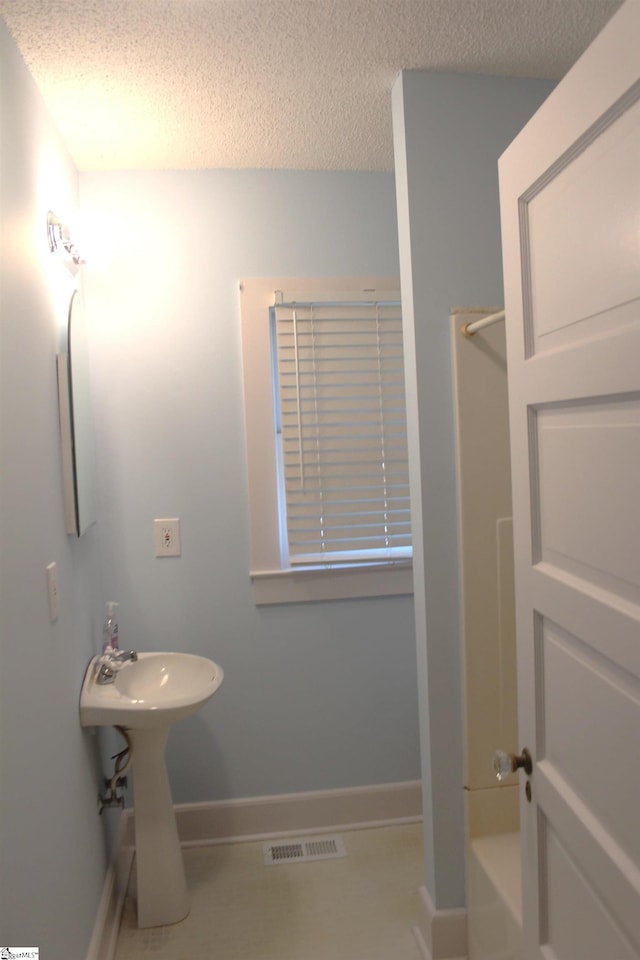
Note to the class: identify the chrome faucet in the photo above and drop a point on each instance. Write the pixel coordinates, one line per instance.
(110, 663)
(121, 656)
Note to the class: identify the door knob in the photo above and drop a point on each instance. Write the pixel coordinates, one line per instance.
(506, 763)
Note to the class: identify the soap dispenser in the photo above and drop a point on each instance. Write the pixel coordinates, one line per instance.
(110, 628)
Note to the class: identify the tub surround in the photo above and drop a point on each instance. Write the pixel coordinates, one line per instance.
(494, 890)
(492, 810)
(486, 551)
(492, 849)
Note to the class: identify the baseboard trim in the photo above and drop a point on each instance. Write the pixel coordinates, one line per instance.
(107, 923)
(254, 818)
(422, 947)
(440, 934)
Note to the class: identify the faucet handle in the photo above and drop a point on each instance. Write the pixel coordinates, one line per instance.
(110, 662)
(106, 672)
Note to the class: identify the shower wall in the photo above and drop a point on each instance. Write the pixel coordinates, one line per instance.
(486, 562)
(492, 846)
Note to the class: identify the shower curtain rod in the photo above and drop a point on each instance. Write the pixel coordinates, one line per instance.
(470, 329)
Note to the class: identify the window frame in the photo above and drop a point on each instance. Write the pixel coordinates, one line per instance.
(272, 582)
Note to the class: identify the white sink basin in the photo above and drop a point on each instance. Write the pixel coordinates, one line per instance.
(154, 691)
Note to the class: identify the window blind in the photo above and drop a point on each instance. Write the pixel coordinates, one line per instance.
(341, 421)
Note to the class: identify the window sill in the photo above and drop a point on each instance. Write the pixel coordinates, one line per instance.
(331, 583)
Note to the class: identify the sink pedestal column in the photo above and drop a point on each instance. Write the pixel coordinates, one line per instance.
(161, 882)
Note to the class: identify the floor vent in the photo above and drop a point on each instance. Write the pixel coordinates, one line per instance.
(297, 851)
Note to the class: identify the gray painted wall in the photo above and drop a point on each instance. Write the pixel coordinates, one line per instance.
(52, 849)
(317, 695)
(449, 130)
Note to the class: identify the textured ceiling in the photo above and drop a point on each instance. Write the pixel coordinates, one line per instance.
(302, 84)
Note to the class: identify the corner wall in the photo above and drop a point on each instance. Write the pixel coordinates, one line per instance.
(449, 130)
(52, 849)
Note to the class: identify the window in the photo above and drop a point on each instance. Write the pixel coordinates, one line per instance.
(326, 438)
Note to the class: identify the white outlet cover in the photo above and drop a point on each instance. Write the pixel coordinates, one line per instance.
(167, 537)
(52, 591)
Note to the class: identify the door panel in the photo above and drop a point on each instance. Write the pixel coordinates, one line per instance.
(607, 869)
(577, 743)
(572, 214)
(595, 537)
(570, 207)
(578, 923)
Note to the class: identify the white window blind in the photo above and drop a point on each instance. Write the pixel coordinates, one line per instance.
(340, 412)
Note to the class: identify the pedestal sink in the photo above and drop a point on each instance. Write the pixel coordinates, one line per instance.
(146, 697)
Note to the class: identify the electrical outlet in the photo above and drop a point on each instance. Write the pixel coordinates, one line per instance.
(52, 591)
(167, 537)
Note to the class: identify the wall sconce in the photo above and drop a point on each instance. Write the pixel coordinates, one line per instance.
(60, 241)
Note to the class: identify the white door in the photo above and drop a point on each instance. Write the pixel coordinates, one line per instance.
(570, 199)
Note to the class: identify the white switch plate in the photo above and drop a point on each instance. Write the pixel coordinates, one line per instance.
(52, 591)
(167, 537)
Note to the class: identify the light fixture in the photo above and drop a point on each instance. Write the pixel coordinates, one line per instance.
(60, 241)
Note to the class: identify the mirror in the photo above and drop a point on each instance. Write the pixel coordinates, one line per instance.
(76, 423)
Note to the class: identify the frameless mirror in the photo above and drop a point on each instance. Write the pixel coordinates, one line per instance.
(76, 423)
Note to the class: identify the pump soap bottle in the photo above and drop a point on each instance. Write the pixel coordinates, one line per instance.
(110, 629)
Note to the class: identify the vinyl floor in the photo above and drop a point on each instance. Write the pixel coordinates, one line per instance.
(361, 907)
